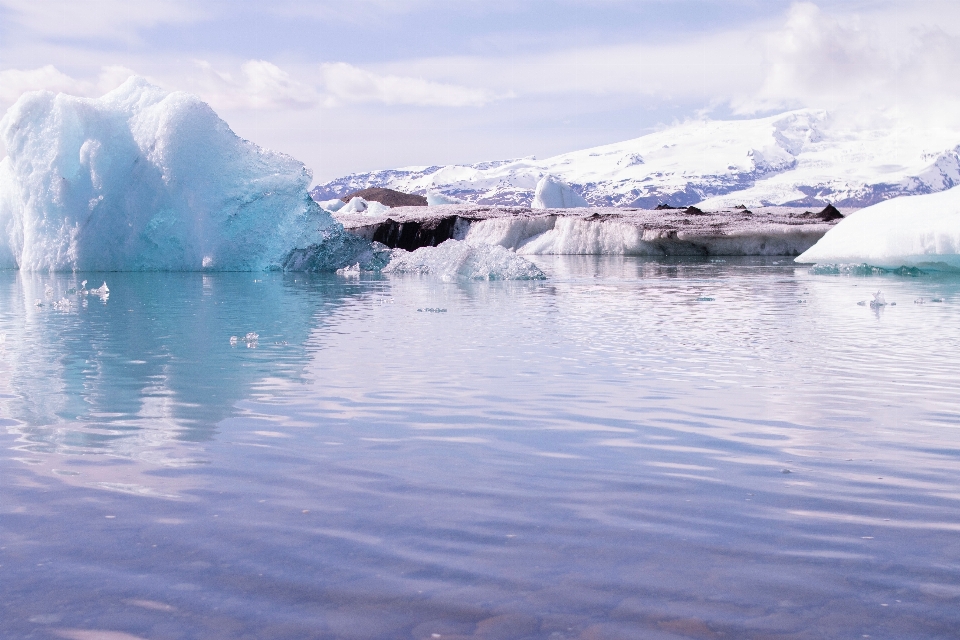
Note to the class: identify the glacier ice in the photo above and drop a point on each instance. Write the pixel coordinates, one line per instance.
(913, 231)
(458, 260)
(617, 234)
(145, 179)
(553, 193)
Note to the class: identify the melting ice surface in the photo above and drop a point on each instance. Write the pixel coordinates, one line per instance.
(596, 455)
(911, 231)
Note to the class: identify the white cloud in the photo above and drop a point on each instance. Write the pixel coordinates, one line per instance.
(345, 83)
(94, 18)
(892, 64)
(260, 85)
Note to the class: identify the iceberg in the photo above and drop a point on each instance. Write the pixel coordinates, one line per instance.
(553, 193)
(358, 205)
(146, 179)
(913, 231)
(457, 260)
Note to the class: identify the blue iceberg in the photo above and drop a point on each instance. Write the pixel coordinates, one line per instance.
(144, 179)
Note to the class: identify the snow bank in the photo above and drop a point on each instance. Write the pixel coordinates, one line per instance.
(455, 260)
(915, 231)
(145, 179)
(553, 193)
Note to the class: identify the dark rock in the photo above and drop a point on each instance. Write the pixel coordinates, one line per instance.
(662, 206)
(389, 197)
(413, 234)
(829, 214)
(741, 206)
(693, 211)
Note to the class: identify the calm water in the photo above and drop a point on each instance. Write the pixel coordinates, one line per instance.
(630, 449)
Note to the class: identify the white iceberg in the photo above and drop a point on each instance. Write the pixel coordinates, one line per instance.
(914, 231)
(332, 206)
(358, 205)
(456, 260)
(553, 193)
(145, 179)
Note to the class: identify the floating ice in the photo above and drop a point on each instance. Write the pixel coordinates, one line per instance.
(144, 179)
(364, 207)
(252, 340)
(332, 206)
(913, 232)
(878, 300)
(457, 260)
(553, 193)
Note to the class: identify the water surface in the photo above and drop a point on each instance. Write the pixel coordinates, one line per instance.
(687, 449)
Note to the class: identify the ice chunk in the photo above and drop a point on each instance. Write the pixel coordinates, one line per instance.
(332, 205)
(436, 198)
(145, 179)
(102, 291)
(457, 260)
(553, 193)
(915, 231)
(358, 205)
(878, 300)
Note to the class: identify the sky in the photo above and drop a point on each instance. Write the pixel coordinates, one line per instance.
(358, 85)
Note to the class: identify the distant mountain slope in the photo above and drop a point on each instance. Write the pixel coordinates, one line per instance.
(797, 158)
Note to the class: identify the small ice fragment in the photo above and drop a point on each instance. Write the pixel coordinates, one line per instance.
(352, 271)
(48, 291)
(251, 337)
(862, 303)
(936, 300)
(103, 292)
(233, 341)
(785, 471)
(83, 285)
(919, 301)
(878, 300)
(38, 302)
(705, 299)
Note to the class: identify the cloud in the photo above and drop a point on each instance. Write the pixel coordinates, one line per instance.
(345, 83)
(260, 85)
(93, 18)
(853, 62)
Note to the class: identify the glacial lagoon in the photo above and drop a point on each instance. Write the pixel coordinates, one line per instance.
(629, 449)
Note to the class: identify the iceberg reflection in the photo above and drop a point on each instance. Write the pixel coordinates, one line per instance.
(152, 363)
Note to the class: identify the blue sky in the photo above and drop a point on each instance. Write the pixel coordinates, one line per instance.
(366, 84)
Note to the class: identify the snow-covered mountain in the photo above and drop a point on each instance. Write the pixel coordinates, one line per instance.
(798, 158)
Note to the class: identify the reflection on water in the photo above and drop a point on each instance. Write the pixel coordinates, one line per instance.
(686, 449)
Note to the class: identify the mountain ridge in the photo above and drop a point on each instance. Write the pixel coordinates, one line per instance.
(797, 158)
